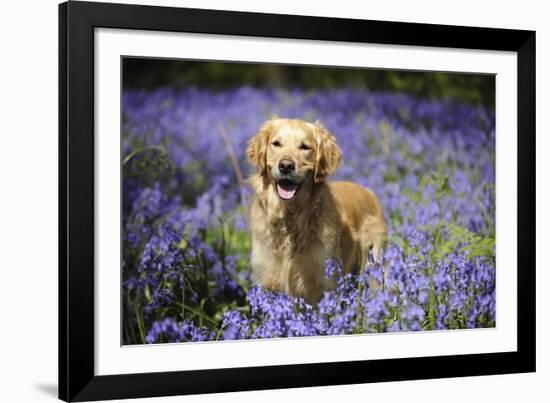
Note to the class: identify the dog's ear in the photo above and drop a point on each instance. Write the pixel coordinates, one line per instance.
(328, 154)
(257, 146)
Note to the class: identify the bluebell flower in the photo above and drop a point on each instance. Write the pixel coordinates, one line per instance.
(185, 244)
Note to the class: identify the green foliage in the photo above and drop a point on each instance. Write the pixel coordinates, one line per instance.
(148, 164)
(151, 73)
(472, 244)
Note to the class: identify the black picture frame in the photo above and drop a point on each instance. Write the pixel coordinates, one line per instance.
(77, 21)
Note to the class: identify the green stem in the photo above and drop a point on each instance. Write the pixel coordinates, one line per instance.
(131, 333)
(141, 326)
(432, 308)
(199, 313)
(183, 299)
(359, 319)
(219, 333)
(437, 242)
(140, 150)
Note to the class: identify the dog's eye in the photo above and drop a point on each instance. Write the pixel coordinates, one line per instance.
(305, 147)
(276, 144)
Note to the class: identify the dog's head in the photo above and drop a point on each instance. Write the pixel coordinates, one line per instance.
(289, 152)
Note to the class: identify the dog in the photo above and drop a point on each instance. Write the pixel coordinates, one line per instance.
(298, 219)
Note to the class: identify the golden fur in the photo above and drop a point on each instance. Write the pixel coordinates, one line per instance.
(292, 239)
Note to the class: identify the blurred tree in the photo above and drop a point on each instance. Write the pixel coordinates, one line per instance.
(147, 73)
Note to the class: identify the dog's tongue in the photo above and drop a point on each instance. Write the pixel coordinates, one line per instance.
(286, 190)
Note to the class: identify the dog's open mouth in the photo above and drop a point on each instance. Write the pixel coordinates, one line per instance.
(287, 189)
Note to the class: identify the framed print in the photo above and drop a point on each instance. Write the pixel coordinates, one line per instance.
(258, 201)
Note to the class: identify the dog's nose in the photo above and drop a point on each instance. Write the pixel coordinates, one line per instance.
(286, 166)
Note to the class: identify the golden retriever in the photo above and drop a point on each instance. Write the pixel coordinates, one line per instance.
(298, 219)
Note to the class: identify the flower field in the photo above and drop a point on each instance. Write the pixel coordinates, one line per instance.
(186, 272)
